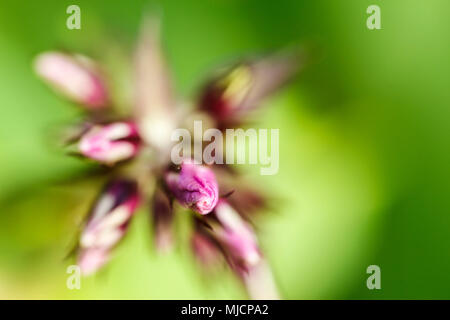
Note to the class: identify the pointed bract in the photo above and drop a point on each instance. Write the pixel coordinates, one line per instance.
(154, 102)
(162, 215)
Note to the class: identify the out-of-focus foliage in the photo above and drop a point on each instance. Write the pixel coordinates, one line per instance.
(364, 147)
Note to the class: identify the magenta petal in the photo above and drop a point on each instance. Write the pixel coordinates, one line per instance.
(195, 187)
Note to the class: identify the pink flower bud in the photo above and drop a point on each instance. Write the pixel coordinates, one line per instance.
(237, 236)
(195, 187)
(225, 231)
(237, 90)
(75, 77)
(107, 224)
(223, 97)
(110, 143)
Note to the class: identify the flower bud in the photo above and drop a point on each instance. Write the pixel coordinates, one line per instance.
(195, 187)
(237, 90)
(237, 236)
(110, 143)
(107, 224)
(224, 96)
(237, 240)
(75, 77)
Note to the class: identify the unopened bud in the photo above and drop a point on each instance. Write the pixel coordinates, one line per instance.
(74, 77)
(195, 187)
(107, 224)
(237, 236)
(110, 143)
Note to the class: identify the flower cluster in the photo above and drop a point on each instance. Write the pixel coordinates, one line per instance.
(135, 150)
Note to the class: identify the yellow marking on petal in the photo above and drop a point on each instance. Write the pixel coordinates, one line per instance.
(237, 84)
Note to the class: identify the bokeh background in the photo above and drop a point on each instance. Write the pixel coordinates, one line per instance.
(364, 147)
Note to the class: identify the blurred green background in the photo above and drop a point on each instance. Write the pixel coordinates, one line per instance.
(364, 147)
